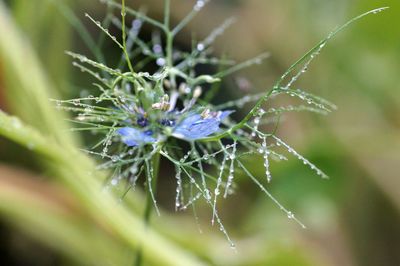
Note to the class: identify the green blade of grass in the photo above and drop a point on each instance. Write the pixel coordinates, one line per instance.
(28, 89)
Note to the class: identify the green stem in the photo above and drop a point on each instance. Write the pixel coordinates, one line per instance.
(149, 202)
(170, 63)
(123, 14)
(170, 41)
(167, 13)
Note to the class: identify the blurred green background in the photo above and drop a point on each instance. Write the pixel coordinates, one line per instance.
(352, 219)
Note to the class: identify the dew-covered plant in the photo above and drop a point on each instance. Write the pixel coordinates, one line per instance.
(140, 117)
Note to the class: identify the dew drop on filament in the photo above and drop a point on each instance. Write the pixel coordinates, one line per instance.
(200, 47)
(199, 5)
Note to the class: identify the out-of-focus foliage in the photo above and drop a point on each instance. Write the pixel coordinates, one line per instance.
(352, 219)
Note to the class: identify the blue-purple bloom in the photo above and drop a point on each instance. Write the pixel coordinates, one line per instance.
(193, 127)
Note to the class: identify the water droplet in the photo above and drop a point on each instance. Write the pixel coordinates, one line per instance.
(208, 195)
(115, 158)
(88, 110)
(161, 61)
(200, 47)
(58, 105)
(199, 5)
(376, 11)
(133, 170)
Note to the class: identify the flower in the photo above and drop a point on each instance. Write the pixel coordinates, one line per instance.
(193, 127)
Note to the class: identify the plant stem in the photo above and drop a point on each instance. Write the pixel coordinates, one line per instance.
(123, 15)
(167, 13)
(170, 63)
(149, 202)
(170, 41)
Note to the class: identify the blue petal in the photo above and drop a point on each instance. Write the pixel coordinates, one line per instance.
(195, 127)
(225, 114)
(134, 137)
